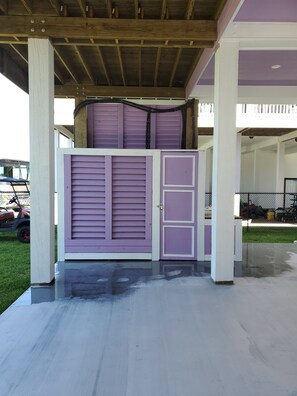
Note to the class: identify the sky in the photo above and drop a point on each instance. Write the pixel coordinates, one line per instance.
(14, 120)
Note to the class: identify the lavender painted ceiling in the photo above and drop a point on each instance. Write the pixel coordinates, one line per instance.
(255, 66)
(268, 11)
(255, 69)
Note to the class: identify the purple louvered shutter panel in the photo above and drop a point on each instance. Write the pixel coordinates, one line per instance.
(168, 130)
(134, 128)
(108, 204)
(129, 198)
(107, 126)
(84, 201)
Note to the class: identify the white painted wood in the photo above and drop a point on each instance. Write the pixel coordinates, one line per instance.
(155, 203)
(107, 256)
(201, 204)
(224, 162)
(61, 203)
(251, 94)
(237, 175)
(41, 103)
(280, 173)
(238, 241)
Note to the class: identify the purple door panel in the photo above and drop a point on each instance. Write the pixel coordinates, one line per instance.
(179, 203)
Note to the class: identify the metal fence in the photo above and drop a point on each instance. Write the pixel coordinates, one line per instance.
(256, 205)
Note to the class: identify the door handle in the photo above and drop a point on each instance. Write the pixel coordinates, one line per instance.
(161, 206)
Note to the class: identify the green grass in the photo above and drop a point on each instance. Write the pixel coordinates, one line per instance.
(269, 234)
(14, 268)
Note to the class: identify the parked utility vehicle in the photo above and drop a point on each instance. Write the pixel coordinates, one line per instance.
(14, 216)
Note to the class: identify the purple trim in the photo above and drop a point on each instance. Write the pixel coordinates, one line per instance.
(175, 230)
(153, 130)
(67, 197)
(108, 197)
(148, 202)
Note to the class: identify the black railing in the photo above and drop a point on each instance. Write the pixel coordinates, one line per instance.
(257, 205)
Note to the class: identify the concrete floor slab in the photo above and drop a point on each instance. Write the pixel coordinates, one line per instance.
(178, 336)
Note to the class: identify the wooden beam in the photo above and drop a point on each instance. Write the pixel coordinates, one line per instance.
(190, 9)
(82, 7)
(28, 5)
(101, 59)
(135, 44)
(157, 67)
(178, 55)
(109, 8)
(56, 6)
(139, 68)
(219, 8)
(66, 65)
(3, 6)
(164, 10)
(80, 126)
(119, 91)
(84, 64)
(194, 64)
(136, 9)
(121, 63)
(102, 28)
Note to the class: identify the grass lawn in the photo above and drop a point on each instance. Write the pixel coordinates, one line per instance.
(269, 234)
(14, 268)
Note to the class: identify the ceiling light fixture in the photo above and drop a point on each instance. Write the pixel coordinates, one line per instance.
(275, 67)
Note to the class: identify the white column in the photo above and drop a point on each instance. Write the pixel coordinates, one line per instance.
(41, 103)
(237, 175)
(224, 162)
(280, 173)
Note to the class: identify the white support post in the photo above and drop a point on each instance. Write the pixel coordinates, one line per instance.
(237, 175)
(224, 162)
(280, 173)
(41, 103)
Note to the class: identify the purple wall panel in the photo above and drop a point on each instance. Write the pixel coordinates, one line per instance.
(179, 171)
(118, 126)
(134, 128)
(107, 124)
(168, 130)
(178, 240)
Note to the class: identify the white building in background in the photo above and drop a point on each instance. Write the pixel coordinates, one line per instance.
(266, 161)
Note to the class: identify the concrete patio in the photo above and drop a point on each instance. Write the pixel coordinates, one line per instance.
(164, 331)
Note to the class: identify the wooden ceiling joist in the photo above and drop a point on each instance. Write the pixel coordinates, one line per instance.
(135, 44)
(190, 9)
(102, 62)
(3, 6)
(157, 67)
(82, 7)
(28, 5)
(121, 63)
(56, 6)
(101, 28)
(178, 55)
(84, 64)
(65, 64)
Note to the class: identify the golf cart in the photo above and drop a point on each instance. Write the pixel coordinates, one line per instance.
(14, 216)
